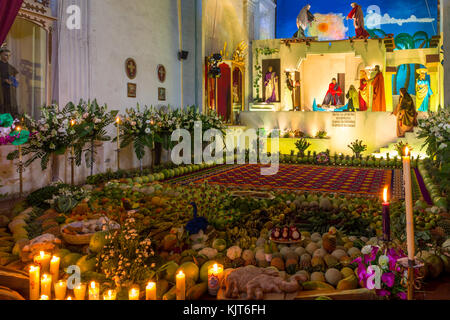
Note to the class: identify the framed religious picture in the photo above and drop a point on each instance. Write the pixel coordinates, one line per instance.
(161, 94)
(131, 89)
(271, 69)
(131, 68)
(161, 73)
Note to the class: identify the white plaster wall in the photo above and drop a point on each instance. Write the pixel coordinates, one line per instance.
(376, 129)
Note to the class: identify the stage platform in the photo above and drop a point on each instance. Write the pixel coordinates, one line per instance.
(376, 129)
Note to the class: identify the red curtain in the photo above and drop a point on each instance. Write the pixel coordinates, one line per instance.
(223, 91)
(8, 12)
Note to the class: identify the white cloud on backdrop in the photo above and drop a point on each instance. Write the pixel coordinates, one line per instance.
(374, 20)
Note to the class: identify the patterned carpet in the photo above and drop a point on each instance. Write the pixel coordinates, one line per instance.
(361, 181)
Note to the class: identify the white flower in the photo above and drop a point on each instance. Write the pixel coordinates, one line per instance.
(366, 250)
(85, 115)
(148, 130)
(383, 261)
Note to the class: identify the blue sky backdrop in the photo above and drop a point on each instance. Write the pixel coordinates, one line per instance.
(396, 16)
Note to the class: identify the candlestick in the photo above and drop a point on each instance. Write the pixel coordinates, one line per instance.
(43, 261)
(72, 158)
(54, 268)
(110, 295)
(35, 278)
(118, 142)
(150, 291)
(215, 274)
(94, 291)
(409, 222)
(386, 217)
(46, 285)
(80, 291)
(60, 290)
(134, 293)
(181, 286)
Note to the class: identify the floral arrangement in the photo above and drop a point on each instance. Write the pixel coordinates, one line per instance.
(357, 148)
(302, 145)
(383, 263)
(138, 128)
(7, 125)
(91, 121)
(128, 257)
(322, 158)
(436, 130)
(51, 134)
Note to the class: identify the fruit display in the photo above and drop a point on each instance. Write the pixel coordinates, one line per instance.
(300, 240)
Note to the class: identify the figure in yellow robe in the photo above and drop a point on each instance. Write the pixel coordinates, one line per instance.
(423, 91)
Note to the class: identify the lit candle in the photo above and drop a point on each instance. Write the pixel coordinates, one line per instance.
(35, 278)
(44, 297)
(54, 268)
(43, 260)
(80, 291)
(72, 149)
(60, 289)
(109, 295)
(215, 274)
(408, 205)
(19, 129)
(181, 286)
(94, 291)
(118, 132)
(46, 285)
(150, 291)
(386, 217)
(133, 294)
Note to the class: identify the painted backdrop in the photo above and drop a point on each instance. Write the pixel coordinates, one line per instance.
(395, 16)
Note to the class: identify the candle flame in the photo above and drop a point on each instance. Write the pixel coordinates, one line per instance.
(34, 268)
(180, 274)
(55, 259)
(19, 129)
(93, 284)
(42, 254)
(118, 120)
(385, 194)
(45, 276)
(61, 283)
(151, 285)
(69, 298)
(406, 151)
(215, 268)
(72, 123)
(44, 297)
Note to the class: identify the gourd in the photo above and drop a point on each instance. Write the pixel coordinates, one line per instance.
(8, 294)
(162, 286)
(197, 291)
(15, 280)
(65, 204)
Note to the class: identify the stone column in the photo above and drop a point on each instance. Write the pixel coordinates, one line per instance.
(445, 21)
(250, 7)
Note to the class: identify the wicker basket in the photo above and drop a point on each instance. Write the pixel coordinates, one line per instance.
(76, 239)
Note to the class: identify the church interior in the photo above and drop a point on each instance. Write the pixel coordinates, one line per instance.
(245, 149)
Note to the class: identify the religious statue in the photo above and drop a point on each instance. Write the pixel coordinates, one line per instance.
(289, 92)
(379, 97)
(363, 91)
(357, 15)
(9, 84)
(236, 98)
(271, 86)
(304, 19)
(406, 114)
(353, 99)
(423, 91)
(334, 94)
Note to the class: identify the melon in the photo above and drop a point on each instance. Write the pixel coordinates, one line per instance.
(347, 272)
(86, 264)
(204, 270)
(98, 241)
(191, 271)
(318, 276)
(171, 270)
(219, 244)
(61, 253)
(435, 266)
(70, 259)
(333, 276)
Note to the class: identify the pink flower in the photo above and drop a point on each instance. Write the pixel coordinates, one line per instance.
(383, 293)
(402, 295)
(389, 279)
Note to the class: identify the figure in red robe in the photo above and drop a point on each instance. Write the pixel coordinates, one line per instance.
(357, 15)
(334, 94)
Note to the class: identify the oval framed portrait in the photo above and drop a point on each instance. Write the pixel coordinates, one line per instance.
(162, 73)
(131, 68)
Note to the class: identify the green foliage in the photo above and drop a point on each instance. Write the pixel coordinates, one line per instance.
(302, 145)
(357, 147)
(401, 147)
(322, 134)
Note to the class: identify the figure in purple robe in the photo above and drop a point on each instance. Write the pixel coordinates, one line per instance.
(271, 86)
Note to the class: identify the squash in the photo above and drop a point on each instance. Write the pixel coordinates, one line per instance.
(162, 286)
(197, 291)
(171, 294)
(8, 294)
(317, 285)
(16, 280)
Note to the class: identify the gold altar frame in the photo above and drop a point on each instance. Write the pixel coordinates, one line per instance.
(39, 13)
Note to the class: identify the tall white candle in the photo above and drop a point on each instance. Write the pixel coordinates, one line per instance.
(118, 132)
(60, 290)
(54, 268)
(46, 285)
(35, 279)
(408, 204)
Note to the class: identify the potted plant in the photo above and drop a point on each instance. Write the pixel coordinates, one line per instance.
(358, 148)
